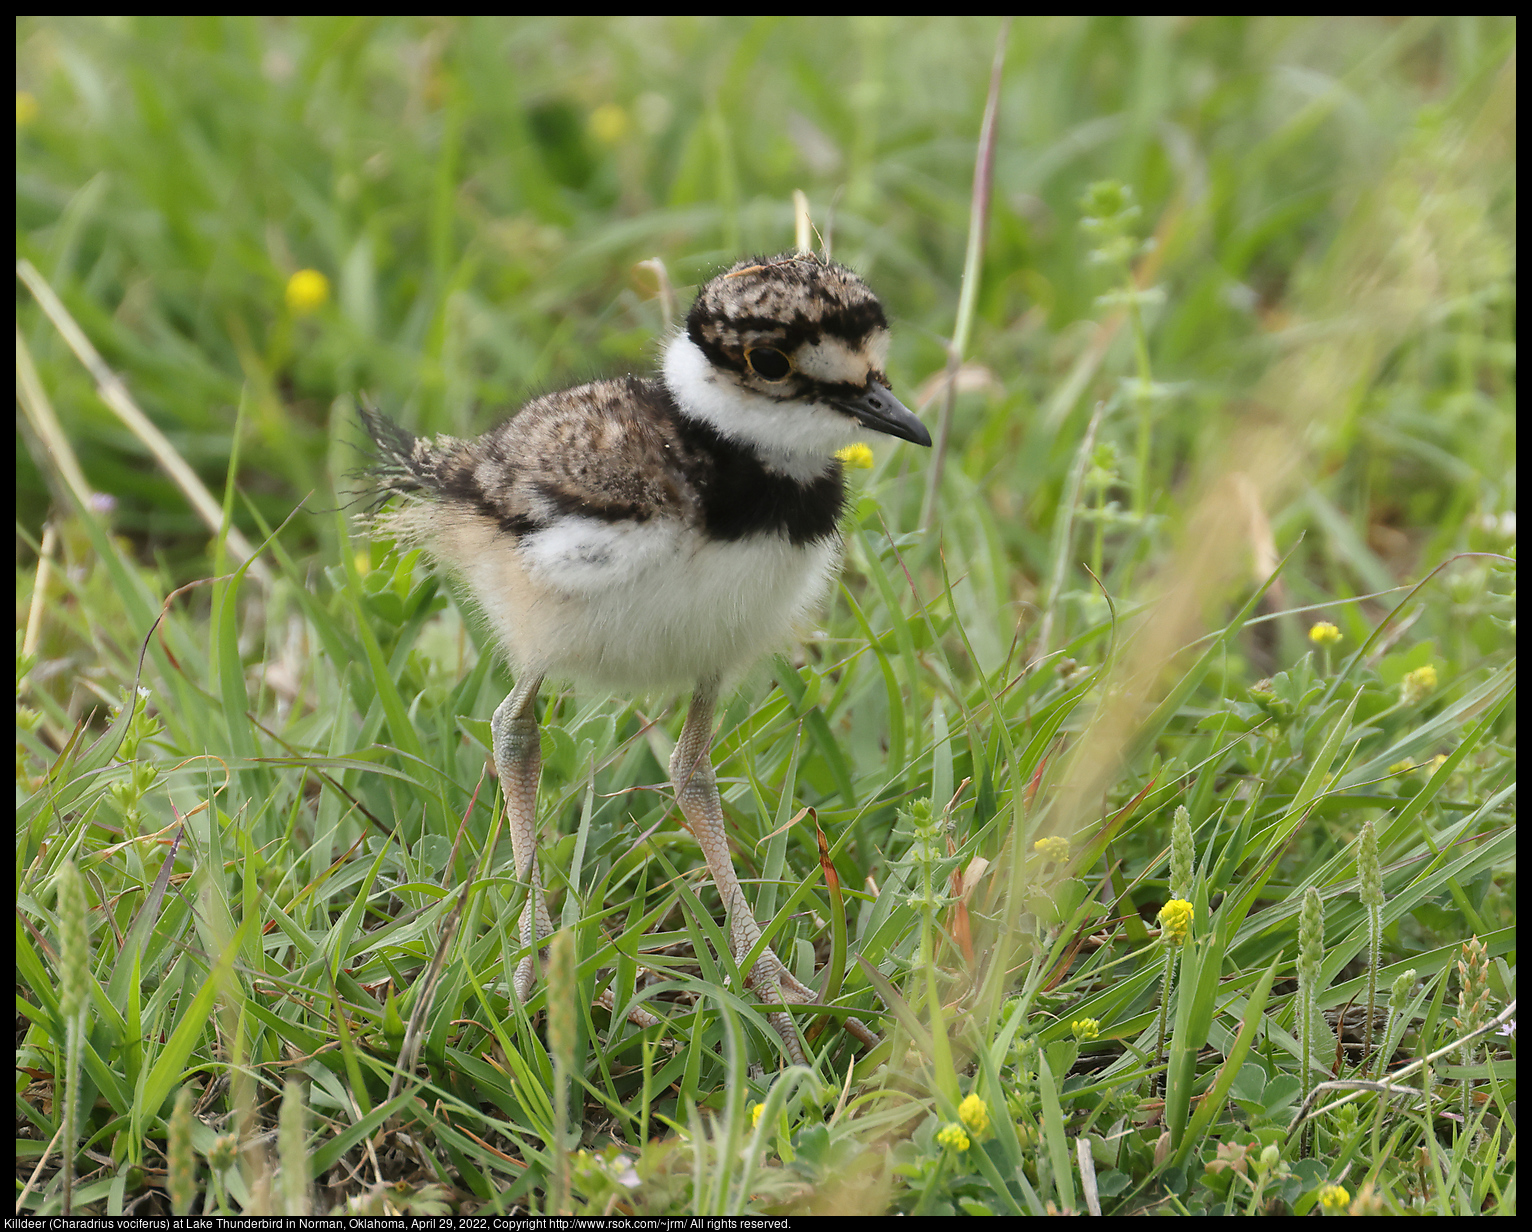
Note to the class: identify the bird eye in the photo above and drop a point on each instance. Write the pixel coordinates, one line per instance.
(768, 363)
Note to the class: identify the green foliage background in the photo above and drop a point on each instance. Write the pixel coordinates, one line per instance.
(1327, 310)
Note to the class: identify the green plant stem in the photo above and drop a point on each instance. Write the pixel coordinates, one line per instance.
(1374, 957)
(946, 1076)
(1159, 1045)
(74, 1040)
(973, 265)
(1306, 1053)
(931, 1184)
(1144, 398)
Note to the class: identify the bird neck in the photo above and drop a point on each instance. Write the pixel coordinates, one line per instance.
(794, 439)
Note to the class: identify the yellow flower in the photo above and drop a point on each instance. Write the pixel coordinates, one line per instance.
(26, 108)
(307, 290)
(1402, 767)
(857, 457)
(1055, 847)
(1324, 634)
(755, 1115)
(1085, 1028)
(1176, 919)
(1435, 763)
(609, 123)
(974, 1113)
(1334, 1198)
(952, 1137)
(1417, 684)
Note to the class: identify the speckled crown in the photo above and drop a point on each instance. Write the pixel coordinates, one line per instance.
(784, 301)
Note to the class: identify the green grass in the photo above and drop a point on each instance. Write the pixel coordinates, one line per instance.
(1269, 383)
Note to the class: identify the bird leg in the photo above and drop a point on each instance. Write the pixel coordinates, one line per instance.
(691, 772)
(518, 761)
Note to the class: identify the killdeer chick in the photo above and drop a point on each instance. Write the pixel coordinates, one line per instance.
(645, 534)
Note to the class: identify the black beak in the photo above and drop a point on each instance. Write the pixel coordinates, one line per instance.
(882, 412)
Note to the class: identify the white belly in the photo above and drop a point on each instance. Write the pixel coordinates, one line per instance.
(638, 607)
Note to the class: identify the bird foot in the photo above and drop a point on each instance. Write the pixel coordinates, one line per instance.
(773, 983)
(770, 980)
(606, 999)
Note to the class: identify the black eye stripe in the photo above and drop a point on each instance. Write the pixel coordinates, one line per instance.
(833, 391)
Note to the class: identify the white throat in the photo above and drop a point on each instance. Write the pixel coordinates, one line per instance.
(797, 439)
